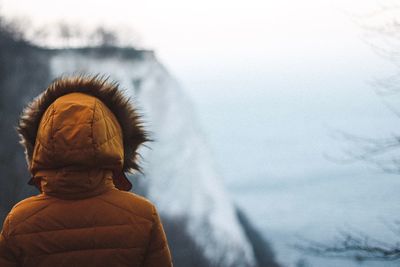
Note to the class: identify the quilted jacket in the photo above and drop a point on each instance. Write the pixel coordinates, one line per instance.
(80, 136)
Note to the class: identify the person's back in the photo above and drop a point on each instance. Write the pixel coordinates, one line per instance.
(80, 136)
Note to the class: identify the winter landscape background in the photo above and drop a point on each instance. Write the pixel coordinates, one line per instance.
(267, 90)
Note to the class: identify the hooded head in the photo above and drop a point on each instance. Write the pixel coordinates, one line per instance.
(79, 133)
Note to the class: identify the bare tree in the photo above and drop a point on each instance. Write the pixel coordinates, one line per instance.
(356, 245)
(104, 37)
(383, 153)
(65, 33)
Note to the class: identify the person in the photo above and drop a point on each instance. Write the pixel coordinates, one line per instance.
(80, 136)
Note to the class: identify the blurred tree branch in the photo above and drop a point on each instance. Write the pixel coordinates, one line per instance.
(383, 153)
(356, 245)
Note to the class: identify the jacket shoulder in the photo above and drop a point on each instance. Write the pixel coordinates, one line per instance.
(130, 202)
(25, 209)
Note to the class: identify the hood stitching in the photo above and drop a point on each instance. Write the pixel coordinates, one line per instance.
(52, 132)
(95, 156)
(100, 87)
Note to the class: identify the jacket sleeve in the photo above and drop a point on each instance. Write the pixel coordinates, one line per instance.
(158, 253)
(7, 257)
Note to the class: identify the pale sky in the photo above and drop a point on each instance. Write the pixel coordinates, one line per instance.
(249, 60)
(189, 34)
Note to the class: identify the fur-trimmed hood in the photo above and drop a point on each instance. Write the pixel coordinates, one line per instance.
(101, 88)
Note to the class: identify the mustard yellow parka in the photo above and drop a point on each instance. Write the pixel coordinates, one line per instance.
(80, 136)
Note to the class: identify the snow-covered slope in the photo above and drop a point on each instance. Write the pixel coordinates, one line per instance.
(180, 176)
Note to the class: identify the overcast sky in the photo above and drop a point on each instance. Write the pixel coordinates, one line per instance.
(283, 69)
(188, 35)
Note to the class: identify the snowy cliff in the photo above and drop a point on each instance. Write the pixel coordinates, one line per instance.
(180, 177)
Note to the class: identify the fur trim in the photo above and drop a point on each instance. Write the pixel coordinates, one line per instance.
(97, 86)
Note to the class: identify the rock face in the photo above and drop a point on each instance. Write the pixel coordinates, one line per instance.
(180, 177)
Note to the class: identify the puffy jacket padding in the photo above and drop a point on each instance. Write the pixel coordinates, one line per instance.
(115, 228)
(80, 218)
